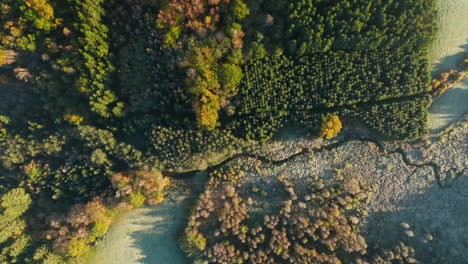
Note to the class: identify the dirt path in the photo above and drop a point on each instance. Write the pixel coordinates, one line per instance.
(451, 42)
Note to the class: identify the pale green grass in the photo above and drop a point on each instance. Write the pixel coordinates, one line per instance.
(144, 235)
(148, 235)
(452, 41)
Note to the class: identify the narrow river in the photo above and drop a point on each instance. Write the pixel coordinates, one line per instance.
(148, 235)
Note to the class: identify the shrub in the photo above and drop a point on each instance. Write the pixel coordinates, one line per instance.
(137, 199)
(240, 9)
(196, 240)
(171, 37)
(77, 247)
(100, 228)
(440, 89)
(457, 77)
(331, 126)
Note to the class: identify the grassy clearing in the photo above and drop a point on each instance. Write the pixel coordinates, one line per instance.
(451, 42)
(144, 235)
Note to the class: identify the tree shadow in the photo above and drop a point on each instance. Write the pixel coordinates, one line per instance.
(440, 212)
(449, 62)
(449, 107)
(17, 99)
(452, 105)
(157, 241)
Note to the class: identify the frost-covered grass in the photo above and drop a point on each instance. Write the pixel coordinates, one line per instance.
(451, 42)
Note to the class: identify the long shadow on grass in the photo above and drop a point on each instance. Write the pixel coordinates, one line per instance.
(428, 210)
(449, 62)
(158, 243)
(451, 105)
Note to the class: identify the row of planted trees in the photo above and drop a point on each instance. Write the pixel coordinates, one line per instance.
(310, 26)
(308, 59)
(326, 80)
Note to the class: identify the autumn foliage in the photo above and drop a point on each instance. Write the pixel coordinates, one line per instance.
(149, 185)
(7, 57)
(331, 126)
(446, 81)
(199, 15)
(73, 233)
(195, 26)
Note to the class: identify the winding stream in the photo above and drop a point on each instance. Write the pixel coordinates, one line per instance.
(148, 235)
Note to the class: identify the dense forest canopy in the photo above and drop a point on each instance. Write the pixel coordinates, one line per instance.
(93, 88)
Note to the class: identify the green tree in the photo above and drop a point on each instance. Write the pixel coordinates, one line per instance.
(229, 75)
(240, 9)
(13, 242)
(77, 247)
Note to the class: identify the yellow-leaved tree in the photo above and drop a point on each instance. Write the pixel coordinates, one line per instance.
(331, 126)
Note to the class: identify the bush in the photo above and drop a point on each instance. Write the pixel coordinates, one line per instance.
(172, 36)
(137, 199)
(458, 77)
(100, 228)
(240, 9)
(77, 247)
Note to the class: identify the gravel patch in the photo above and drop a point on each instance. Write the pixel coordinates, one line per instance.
(423, 184)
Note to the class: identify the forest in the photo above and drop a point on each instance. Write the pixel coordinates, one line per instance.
(101, 98)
